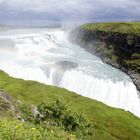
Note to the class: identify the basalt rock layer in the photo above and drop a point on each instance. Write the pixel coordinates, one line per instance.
(121, 50)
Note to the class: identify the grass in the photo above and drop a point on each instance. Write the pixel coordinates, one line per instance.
(119, 27)
(109, 123)
(16, 130)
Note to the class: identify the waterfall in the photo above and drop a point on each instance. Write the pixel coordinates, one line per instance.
(48, 57)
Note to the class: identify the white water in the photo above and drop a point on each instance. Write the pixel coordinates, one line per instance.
(46, 56)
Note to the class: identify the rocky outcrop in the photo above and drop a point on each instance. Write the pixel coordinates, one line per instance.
(113, 48)
(129, 42)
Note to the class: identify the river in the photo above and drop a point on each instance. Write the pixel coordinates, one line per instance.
(46, 56)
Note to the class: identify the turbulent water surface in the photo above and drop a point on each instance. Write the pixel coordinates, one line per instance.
(47, 56)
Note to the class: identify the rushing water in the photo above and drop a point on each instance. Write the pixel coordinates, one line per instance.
(47, 56)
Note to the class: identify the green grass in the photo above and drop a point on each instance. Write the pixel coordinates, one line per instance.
(119, 27)
(16, 130)
(109, 123)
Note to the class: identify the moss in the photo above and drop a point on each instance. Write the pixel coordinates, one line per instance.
(117, 56)
(108, 52)
(133, 65)
(135, 56)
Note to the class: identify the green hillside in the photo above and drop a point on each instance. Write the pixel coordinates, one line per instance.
(108, 123)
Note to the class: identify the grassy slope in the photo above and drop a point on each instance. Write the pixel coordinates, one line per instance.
(120, 27)
(109, 123)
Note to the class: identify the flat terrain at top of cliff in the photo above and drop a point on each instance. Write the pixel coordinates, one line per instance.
(120, 27)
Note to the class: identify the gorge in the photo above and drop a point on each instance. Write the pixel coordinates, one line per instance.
(117, 44)
(48, 57)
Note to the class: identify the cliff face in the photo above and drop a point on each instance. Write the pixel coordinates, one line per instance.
(126, 41)
(120, 50)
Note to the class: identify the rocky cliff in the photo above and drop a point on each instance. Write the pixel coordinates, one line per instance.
(121, 50)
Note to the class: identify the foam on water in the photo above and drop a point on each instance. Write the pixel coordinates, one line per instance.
(46, 56)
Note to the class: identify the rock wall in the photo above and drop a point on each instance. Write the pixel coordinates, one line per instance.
(125, 44)
(126, 41)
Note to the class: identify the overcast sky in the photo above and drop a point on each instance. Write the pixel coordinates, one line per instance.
(70, 10)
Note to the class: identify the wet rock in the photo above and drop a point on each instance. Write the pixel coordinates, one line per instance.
(66, 65)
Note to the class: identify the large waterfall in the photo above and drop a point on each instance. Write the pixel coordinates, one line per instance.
(47, 56)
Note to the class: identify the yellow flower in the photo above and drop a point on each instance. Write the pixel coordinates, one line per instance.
(17, 126)
(33, 129)
(72, 135)
(52, 131)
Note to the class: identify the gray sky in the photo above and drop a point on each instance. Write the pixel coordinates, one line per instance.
(69, 10)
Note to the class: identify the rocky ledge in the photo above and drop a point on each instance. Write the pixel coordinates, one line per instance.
(121, 50)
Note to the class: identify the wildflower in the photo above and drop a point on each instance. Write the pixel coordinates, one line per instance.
(33, 129)
(18, 126)
(52, 131)
(72, 135)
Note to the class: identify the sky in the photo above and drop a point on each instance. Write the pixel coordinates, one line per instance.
(61, 11)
